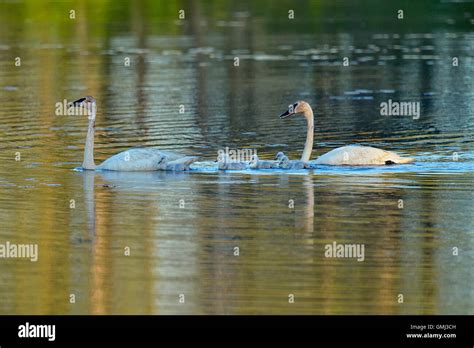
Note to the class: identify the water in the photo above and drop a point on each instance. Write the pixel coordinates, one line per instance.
(182, 228)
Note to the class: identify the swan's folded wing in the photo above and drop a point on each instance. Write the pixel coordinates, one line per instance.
(134, 160)
(356, 155)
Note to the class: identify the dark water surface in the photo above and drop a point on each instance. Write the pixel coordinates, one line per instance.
(182, 228)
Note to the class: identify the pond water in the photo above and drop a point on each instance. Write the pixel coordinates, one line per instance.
(182, 229)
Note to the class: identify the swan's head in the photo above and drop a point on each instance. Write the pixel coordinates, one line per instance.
(296, 108)
(87, 102)
(254, 158)
(253, 161)
(84, 101)
(279, 156)
(223, 158)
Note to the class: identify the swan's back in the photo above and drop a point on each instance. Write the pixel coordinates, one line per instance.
(144, 159)
(355, 155)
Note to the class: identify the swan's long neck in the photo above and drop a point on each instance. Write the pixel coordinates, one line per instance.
(88, 162)
(308, 146)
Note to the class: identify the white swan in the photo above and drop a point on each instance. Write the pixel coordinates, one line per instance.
(136, 159)
(353, 155)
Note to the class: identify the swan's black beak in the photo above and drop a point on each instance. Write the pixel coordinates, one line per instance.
(287, 113)
(78, 102)
(290, 111)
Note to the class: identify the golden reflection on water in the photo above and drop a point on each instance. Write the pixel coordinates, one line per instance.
(279, 252)
(190, 250)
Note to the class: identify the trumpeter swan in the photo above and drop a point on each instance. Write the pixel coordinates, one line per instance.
(256, 163)
(136, 159)
(354, 155)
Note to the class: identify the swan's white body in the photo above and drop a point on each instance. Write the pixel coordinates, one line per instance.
(136, 159)
(355, 155)
(352, 155)
(146, 159)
